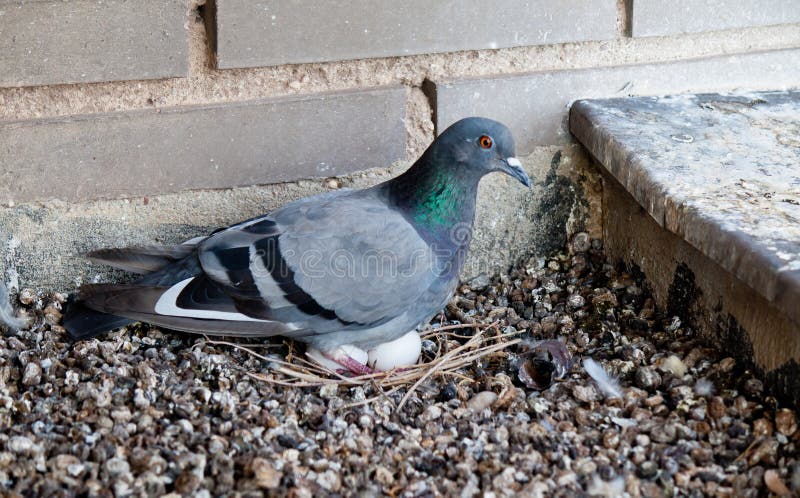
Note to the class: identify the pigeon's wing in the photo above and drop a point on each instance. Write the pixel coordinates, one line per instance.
(323, 264)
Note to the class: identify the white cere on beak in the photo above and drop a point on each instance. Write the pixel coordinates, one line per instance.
(513, 161)
(402, 352)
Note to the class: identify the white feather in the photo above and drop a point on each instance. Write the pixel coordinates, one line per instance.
(167, 304)
(7, 315)
(704, 387)
(599, 487)
(607, 384)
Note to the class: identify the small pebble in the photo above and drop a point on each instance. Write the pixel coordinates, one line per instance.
(654, 401)
(117, 466)
(753, 387)
(576, 301)
(481, 401)
(727, 364)
(786, 421)
(27, 296)
(449, 391)
(32, 375)
(585, 393)
(716, 407)
(762, 428)
(52, 314)
(611, 439)
(581, 242)
(329, 391)
(775, 484)
(433, 412)
(265, 474)
(20, 444)
(647, 378)
(384, 476)
(647, 470)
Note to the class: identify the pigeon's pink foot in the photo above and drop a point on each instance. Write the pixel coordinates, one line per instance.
(353, 359)
(350, 365)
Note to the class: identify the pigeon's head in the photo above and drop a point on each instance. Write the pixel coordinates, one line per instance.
(481, 144)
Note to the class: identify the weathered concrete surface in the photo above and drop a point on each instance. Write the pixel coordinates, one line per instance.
(223, 145)
(704, 295)
(43, 244)
(512, 222)
(721, 172)
(55, 41)
(657, 18)
(275, 32)
(535, 105)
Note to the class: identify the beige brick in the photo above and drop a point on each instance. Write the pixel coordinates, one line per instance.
(224, 145)
(275, 32)
(55, 41)
(659, 18)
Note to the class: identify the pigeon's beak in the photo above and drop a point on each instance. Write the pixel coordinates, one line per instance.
(512, 167)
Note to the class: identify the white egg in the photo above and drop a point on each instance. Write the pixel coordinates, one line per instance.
(400, 352)
(346, 350)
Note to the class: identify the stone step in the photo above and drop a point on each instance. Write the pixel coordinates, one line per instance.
(721, 175)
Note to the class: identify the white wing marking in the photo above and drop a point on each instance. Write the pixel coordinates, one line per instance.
(167, 305)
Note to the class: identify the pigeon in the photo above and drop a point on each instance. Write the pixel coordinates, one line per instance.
(351, 273)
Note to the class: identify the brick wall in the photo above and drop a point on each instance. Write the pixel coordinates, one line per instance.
(122, 99)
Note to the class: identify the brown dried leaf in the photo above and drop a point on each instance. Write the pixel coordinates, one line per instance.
(537, 373)
(556, 352)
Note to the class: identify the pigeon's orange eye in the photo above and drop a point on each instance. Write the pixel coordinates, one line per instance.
(485, 141)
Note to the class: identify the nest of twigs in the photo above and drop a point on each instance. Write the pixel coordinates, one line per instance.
(487, 343)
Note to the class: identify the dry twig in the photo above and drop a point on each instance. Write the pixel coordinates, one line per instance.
(296, 371)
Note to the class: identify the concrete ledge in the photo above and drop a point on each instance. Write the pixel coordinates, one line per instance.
(721, 172)
(703, 195)
(151, 152)
(53, 41)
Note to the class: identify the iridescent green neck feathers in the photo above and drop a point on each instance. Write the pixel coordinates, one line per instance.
(436, 198)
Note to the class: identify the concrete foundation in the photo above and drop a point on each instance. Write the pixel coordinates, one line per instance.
(44, 243)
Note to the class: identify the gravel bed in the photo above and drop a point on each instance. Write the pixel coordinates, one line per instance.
(143, 412)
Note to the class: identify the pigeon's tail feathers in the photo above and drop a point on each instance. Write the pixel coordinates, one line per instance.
(200, 308)
(146, 259)
(84, 323)
(173, 273)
